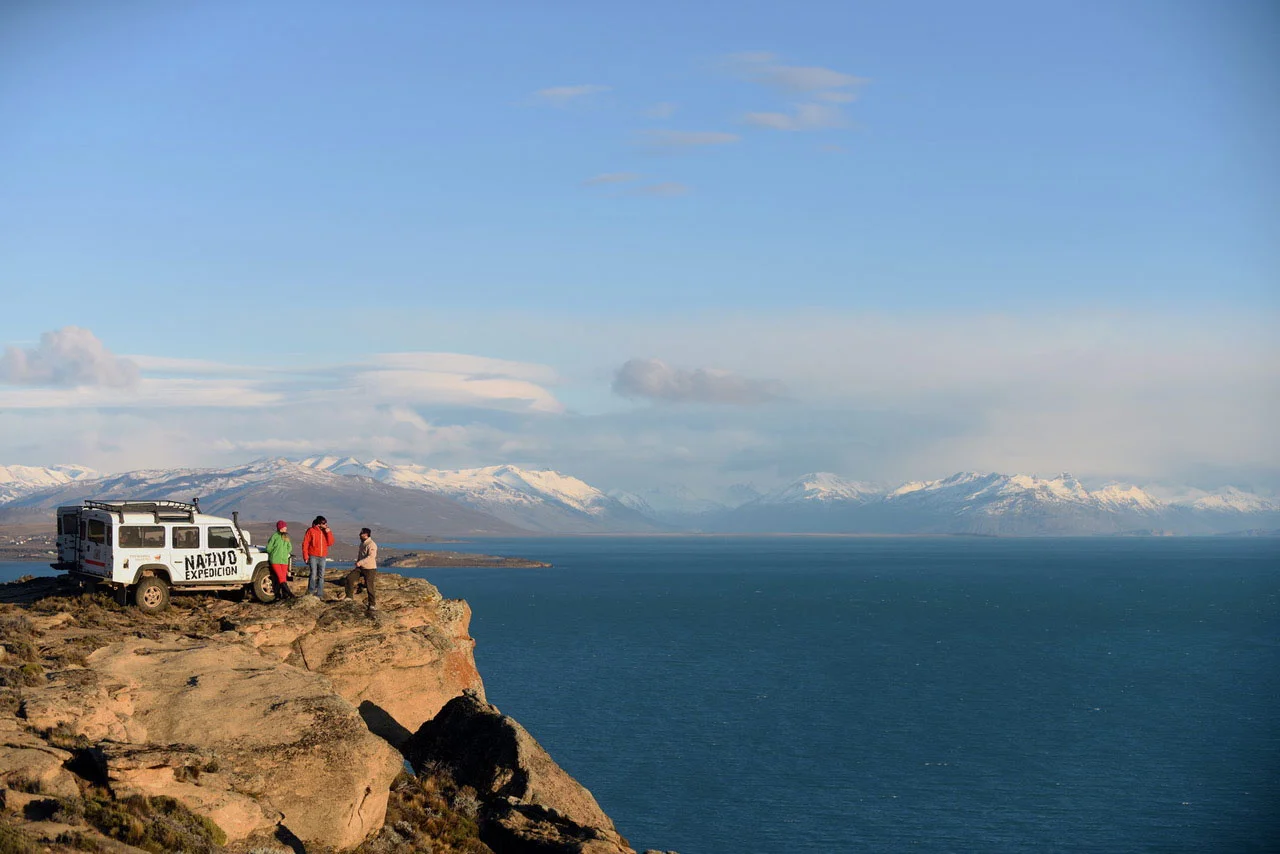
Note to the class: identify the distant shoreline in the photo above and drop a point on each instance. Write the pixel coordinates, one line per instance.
(31, 543)
(35, 544)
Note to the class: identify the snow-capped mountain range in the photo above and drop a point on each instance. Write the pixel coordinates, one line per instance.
(267, 490)
(511, 500)
(19, 480)
(977, 503)
(546, 501)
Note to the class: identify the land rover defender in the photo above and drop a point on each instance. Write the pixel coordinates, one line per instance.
(143, 549)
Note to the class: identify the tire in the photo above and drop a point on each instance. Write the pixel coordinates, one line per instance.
(151, 596)
(262, 587)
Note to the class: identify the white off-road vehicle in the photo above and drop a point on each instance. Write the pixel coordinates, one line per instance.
(145, 548)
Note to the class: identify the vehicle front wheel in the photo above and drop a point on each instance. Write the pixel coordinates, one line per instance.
(151, 595)
(262, 586)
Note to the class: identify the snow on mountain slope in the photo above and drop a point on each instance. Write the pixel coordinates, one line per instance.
(992, 503)
(1227, 499)
(1235, 500)
(266, 490)
(1124, 496)
(20, 480)
(821, 486)
(956, 487)
(1013, 491)
(537, 500)
(634, 502)
(496, 499)
(995, 494)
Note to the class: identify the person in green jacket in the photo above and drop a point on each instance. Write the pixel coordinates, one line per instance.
(280, 553)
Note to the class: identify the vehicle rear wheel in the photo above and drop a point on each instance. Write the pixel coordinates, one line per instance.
(151, 595)
(262, 586)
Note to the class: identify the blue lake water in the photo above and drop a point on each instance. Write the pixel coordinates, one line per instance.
(783, 695)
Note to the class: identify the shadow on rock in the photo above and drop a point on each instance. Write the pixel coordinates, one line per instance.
(380, 723)
(529, 804)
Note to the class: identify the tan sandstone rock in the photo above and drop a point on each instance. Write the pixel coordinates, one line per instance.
(399, 666)
(27, 761)
(288, 741)
(187, 776)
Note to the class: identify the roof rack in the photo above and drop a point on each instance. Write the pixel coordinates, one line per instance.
(164, 510)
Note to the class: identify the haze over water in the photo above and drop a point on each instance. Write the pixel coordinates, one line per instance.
(823, 695)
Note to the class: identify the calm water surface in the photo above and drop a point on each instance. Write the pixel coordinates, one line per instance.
(721, 696)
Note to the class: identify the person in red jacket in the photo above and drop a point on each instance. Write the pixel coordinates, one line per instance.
(315, 553)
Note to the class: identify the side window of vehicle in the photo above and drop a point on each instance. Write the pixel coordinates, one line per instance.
(186, 538)
(222, 538)
(141, 536)
(97, 531)
(83, 533)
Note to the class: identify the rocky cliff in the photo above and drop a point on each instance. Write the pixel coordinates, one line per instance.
(235, 726)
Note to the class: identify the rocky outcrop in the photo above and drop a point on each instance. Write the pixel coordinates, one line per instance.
(28, 762)
(399, 666)
(288, 750)
(530, 805)
(263, 718)
(277, 723)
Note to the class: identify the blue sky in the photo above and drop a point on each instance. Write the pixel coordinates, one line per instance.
(707, 243)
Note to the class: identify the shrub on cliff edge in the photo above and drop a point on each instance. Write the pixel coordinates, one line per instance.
(15, 841)
(427, 815)
(157, 824)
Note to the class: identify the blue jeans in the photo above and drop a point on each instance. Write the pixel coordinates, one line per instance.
(315, 583)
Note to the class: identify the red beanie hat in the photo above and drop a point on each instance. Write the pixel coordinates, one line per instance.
(280, 526)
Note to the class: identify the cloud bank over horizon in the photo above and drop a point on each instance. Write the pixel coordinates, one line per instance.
(1147, 400)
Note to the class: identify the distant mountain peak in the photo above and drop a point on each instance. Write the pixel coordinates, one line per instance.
(18, 480)
(539, 500)
(821, 486)
(1126, 495)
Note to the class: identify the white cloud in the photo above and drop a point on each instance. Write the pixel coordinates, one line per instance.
(452, 379)
(818, 92)
(764, 68)
(654, 379)
(146, 393)
(149, 364)
(270, 447)
(663, 110)
(466, 364)
(405, 415)
(688, 139)
(611, 178)
(69, 357)
(802, 118)
(457, 389)
(563, 96)
(665, 189)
